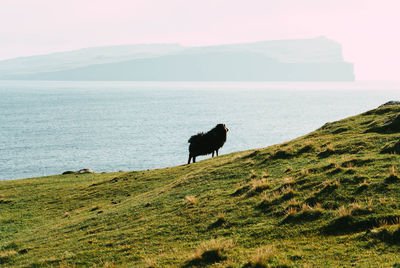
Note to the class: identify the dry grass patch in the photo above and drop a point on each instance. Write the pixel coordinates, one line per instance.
(393, 176)
(264, 175)
(252, 175)
(288, 168)
(258, 185)
(190, 200)
(364, 183)
(288, 193)
(6, 256)
(326, 187)
(307, 147)
(268, 256)
(362, 186)
(344, 211)
(392, 171)
(291, 211)
(370, 202)
(305, 213)
(349, 165)
(331, 183)
(307, 208)
(293, 202)
(304, 172)
(262, 257)
(150, 262)
(288, 180)
(354, 208)
(220, 221)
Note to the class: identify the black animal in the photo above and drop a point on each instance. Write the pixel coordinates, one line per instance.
(207, 143)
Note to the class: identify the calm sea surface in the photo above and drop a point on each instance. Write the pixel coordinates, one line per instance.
(50, 127)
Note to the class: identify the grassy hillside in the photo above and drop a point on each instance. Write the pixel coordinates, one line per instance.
(330, 198)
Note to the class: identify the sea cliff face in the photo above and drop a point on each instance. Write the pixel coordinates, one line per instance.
(318, 59)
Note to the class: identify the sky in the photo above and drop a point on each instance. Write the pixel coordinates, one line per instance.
(366, 29)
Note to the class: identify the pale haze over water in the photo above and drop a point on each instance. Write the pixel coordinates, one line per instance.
(51, 127)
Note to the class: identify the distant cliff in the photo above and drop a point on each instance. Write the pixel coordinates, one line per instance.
(318, 59)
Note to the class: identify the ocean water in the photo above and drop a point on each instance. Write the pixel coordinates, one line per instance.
(50, 127)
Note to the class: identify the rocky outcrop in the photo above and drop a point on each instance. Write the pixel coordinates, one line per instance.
(81, 171)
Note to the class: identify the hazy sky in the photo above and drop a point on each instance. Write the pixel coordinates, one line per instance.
(367, 29)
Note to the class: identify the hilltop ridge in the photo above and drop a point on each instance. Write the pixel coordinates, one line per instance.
(316, 59)
(329, 198)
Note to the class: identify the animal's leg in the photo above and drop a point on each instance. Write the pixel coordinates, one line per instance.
(194, 159)
(212, 154)
(190, 157)
(217, 152)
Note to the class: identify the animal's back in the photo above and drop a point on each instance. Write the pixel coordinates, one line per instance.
(196, 137)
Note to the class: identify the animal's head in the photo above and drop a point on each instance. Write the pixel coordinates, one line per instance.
(222, 127)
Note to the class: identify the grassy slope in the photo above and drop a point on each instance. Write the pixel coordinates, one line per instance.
(308, 201)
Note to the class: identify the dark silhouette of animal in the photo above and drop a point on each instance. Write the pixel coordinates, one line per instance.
(207, 143)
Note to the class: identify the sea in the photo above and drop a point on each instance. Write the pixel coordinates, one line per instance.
(49, 127)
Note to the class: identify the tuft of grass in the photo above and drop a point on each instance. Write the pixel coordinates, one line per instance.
(264, 175)
(392, 171)
(267, 256)
(306, 213)
(190, 200)
(304, 172)
(330, 147)
(282, 154)
(317, 207)
(387, 233)
(258, 185)
(288, 193)
(293, 202)
(9, 246)
(307, 147)
(327, 186)
(354, 208)
(221, 220)
(288, 180)
(362, 186)
(370, 203)
(5, 201)
(241, 189)
(364, 183)
(329, 150)
(393, 176)
(252, 175)
(262, 257)
(344, 212)
(291, 211)
(209, 252)
(288, 168)
(349, 165)
(221, 216)
(66, 214)
(150, 262)
(6, 256)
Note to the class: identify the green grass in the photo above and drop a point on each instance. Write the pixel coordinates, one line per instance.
(329, 198)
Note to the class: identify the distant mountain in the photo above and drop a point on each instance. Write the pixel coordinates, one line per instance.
(318, 59)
